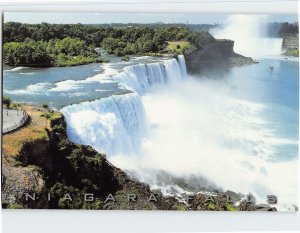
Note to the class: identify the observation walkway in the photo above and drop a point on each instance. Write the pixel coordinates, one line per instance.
(13, 119)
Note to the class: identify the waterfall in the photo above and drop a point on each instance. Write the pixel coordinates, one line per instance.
(111, 125)
(140, 78)
(182, 65)
(271, 46)
(115, 125)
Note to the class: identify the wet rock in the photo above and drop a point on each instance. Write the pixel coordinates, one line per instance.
(235, 197)
(264, 207)
(215, 58)
(246, 206)
(290, 41)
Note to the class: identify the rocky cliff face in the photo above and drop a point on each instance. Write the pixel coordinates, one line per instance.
(215, 58)
(290, 44)
(290, 41)
(17, 180)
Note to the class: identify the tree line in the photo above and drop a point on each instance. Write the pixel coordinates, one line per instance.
(281, 29)
(55, 52)
(63, 44)
(94, 34)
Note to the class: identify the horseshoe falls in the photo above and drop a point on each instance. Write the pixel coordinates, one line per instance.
(249, 40)
(238, 133)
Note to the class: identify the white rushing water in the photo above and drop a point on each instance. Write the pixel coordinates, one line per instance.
(186, 127)
(112, 125)
(142, 77)
(246, 32)
(115, 125)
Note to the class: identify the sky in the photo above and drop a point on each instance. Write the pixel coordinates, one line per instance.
(102, 18)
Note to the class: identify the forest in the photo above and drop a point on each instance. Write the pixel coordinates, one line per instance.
(73, 44)
(281, 29)
(65, 52)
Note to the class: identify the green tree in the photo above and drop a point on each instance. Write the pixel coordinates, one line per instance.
(6, 100)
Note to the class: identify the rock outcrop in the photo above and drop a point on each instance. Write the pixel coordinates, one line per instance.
(290, 41)
(215, 58)
(17, 180)
(290, 44)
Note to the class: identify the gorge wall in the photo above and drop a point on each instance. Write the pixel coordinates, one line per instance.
(290, 41)
(215, 58)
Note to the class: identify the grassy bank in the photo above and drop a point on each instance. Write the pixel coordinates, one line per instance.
(292, 52)
(35, 130)
(180, 47)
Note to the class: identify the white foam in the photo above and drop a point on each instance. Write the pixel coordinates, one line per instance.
(33, 89)
(108, 71)
(15, 69)
(68, 85)
(104, 77)
(27, 73)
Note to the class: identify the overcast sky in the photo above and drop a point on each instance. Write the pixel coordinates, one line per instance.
(99, 18)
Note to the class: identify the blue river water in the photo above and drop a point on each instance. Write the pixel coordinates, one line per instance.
(62, 86)
(278, 91)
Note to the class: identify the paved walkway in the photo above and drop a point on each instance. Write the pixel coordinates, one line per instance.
(13, 119)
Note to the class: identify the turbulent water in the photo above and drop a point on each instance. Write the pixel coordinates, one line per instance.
(214, 130)
(112, 125)
(62, 86)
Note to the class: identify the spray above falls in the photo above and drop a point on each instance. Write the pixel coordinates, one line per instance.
(247, 33)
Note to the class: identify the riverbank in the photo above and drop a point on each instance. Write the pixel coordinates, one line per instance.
(293, 52)
(63, 61)
(291, 44)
